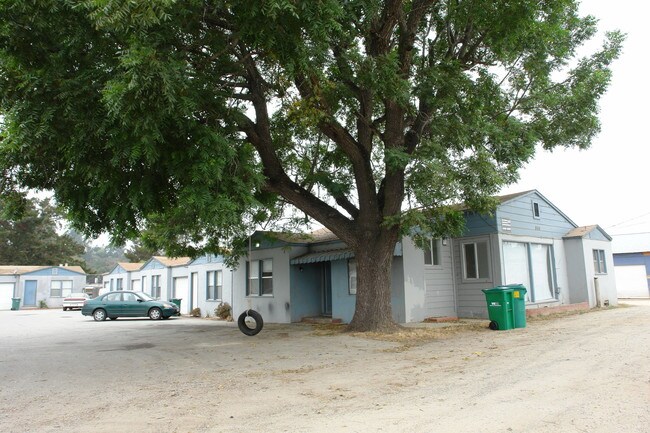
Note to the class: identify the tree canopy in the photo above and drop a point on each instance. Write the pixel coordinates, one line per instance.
(196, 121)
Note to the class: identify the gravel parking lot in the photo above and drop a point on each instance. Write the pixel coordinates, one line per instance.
(60, 371)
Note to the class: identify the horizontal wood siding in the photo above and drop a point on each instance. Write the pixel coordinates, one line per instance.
(477, 224)
(550, 224)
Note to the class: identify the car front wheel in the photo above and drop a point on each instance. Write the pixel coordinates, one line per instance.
(155, 314)
(99, 315)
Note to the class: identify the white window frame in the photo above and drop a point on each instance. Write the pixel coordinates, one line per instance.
(600, 261)
(432, 253)
(155, 286)
(59, 289)
(352, 277)
(536, 210)
(214, 285)
(259, 278)
(475, 244)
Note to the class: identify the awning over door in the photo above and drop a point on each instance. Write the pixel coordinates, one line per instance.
(323, 256)
(331, 255)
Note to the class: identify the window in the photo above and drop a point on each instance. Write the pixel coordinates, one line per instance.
(155, 286)
(599, 262)
(476, 260)
(113, 297)
(119, 284)
(259, 281)
(60, 289)
(432, 253)
(267, 277)
(533, 266)
(352, 277)
(535, 209)
(214, 285)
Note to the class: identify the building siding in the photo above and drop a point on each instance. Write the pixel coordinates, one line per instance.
(519, 212)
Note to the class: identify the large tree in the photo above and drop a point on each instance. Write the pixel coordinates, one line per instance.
(31, 236)
(197, 120)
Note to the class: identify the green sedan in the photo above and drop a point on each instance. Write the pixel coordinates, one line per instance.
(128, 304)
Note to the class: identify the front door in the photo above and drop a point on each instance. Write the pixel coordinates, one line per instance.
(29, 299)
(327, 288)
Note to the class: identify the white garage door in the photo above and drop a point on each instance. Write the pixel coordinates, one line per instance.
(6, 293)
(631, 282)
(181, 291)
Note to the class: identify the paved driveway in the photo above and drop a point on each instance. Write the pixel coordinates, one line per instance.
(60, 371)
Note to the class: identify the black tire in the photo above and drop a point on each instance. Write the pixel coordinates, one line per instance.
(166, 317)
(65, 309)
(99, 315)
(494, 326)
(245, 328)
(155, 313)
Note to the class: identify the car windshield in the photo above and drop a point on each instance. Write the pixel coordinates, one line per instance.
(144, 296)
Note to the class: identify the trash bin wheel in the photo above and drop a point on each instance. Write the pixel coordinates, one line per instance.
(244, 325)
(494, 325)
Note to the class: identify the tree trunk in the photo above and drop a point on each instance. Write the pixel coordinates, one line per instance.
(373, 310)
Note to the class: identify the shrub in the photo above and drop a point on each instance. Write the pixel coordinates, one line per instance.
(196, 312)
(42, 304)
(223, 311)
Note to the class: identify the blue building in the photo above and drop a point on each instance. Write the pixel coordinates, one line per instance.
(36, 284)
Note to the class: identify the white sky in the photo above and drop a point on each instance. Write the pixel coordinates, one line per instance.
(605, 184)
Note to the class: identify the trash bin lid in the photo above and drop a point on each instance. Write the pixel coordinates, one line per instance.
(519, 287)
(498, 289)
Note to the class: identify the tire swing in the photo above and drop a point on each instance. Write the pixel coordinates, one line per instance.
(245, 322)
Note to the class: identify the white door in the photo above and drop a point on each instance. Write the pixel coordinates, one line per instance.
(515, 258)
(631, 282)
(6, 293)
(136, 285)
(195, 289)
(181, 292)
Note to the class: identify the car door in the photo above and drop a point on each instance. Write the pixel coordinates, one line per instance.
(112, 303)
(133, 306)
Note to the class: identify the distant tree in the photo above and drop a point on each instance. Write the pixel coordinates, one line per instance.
(198, 120)
(140, 253)
(32, 238)
(103, 258)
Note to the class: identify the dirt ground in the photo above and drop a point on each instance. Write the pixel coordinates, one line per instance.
(61, 372)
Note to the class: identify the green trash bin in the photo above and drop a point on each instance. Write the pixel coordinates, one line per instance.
(500, 307)
(15, 303)
(519, 299)
(177, 301)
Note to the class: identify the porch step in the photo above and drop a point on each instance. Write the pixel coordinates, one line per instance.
(320, 320)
